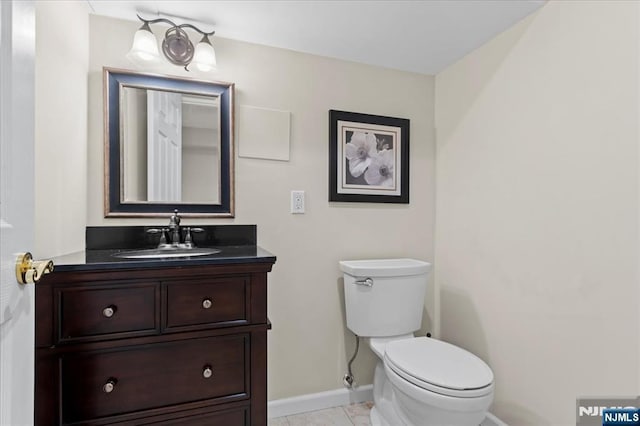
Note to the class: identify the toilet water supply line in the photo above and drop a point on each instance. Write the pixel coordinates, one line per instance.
(348, 379)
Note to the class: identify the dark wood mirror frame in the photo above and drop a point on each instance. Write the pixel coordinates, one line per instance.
(114, 203)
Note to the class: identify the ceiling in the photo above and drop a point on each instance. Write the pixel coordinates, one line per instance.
(419, 36)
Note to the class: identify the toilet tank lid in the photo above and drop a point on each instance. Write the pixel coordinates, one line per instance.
(384, 267)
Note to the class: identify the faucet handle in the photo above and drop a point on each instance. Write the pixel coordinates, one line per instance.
(161, 231)
(188, 239)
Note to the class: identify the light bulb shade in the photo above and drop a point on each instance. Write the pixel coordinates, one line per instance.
(145, 45)
(204, 58)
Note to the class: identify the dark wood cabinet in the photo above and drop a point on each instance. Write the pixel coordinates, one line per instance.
(157, 346)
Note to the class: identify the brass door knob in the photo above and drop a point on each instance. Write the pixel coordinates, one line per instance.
(29, 271)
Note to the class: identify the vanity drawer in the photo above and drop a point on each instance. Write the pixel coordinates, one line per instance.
(234, 417)
(90, 313)
(206, 303)
(108, 383)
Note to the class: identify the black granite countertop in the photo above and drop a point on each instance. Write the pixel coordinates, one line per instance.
(237, 244)
(90, 260)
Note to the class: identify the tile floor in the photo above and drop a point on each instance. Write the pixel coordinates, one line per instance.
(348, 415)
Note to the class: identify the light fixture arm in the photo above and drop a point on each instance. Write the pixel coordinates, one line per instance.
(177, 48)
(174, 25)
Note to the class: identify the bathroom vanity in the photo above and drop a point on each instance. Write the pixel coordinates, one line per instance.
(175, 341)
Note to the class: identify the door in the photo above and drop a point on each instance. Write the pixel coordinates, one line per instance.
(17, 302)
(164, 146)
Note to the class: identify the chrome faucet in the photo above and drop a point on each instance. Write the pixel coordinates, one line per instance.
(171, 237)
(174, 228)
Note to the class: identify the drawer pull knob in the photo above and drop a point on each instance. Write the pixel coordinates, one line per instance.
(109, 311)
(207, 372)
(109, 386)
(207, 303)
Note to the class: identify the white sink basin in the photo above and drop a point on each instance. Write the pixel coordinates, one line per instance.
(165, 253)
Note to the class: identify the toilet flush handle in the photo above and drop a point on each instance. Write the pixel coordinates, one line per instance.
(368, 282)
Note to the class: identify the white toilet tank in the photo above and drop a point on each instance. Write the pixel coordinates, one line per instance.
(384, 297)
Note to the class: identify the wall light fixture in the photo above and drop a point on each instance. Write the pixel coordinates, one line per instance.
(176, 46)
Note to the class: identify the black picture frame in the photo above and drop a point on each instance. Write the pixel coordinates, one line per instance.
(360, 172)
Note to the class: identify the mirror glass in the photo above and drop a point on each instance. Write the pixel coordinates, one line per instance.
(169, 145)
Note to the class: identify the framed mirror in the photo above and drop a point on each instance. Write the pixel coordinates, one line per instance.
(168, 145)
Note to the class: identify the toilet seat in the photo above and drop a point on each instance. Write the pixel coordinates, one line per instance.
(439, 367)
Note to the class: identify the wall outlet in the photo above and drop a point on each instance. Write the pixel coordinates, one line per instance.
(297, 202)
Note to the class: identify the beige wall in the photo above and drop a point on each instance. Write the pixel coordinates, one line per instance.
(537, 232)
(308, 344)
(60, 164)
(537, 208)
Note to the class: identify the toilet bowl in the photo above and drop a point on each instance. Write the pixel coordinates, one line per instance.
(434, 383)
(419, 381)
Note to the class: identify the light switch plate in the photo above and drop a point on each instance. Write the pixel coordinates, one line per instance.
(297, 202)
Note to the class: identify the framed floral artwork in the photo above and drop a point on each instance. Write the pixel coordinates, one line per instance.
(368, 158)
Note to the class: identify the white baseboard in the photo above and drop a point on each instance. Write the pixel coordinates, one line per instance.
(336, 398)
(492, 420)
(319, 401)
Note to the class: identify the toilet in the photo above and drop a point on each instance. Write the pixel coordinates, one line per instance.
(418, 381)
